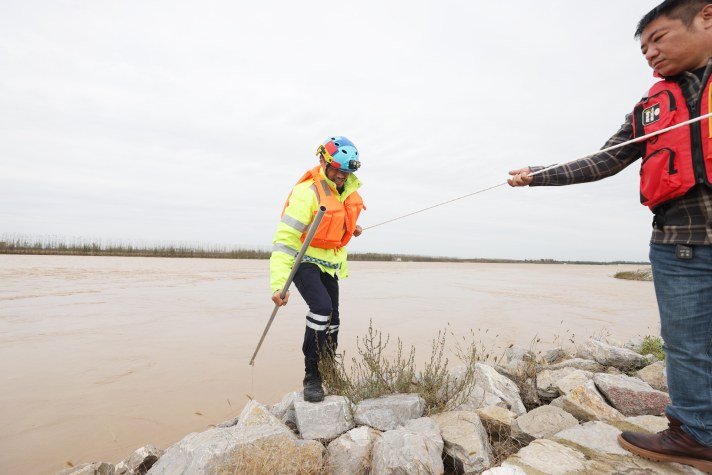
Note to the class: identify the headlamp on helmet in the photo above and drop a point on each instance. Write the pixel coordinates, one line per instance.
(340, 153)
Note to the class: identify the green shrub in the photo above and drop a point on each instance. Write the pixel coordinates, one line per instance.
(653, 345)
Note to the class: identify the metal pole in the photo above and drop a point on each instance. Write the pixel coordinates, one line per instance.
(298, 260)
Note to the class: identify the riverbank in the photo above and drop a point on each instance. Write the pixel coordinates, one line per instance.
(528, 412)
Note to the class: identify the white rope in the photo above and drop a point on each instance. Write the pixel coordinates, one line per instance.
(608, 149)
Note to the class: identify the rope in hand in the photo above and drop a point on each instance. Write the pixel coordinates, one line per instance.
(604, 150)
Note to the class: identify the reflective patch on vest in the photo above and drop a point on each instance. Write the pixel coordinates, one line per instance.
(294, 223)
(279, 247)
(651, 114)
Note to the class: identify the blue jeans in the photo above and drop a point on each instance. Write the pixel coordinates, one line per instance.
(683, 288)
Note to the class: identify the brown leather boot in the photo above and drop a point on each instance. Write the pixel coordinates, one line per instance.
(671, 445)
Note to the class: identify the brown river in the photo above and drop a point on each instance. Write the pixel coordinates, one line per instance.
(102, 355)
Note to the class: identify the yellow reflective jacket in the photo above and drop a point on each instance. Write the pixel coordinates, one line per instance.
(297, 215)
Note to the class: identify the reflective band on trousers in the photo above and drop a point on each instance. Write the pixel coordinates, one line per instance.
(313, 317)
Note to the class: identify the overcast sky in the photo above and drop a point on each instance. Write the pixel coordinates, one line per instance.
(178, 121)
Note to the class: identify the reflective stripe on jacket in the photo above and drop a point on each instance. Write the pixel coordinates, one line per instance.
(298, 213)
(677, 160)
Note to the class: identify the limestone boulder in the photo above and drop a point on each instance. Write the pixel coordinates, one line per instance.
(631, 396)
(324, 420)
(350, 453)
(415, 448)
(140, 461)
(388, 412)
(609, 355)
(465, 440)
(541, 422)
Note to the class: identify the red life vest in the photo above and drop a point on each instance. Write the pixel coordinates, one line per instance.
(677, 160)
(339, 221)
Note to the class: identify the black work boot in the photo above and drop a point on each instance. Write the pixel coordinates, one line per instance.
(313, 392)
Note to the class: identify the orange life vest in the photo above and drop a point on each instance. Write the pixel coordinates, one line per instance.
(339, 221)
(677, 160)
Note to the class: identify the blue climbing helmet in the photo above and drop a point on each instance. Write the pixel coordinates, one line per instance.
(340, 153)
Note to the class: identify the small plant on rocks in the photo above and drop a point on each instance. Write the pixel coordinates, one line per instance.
(653, 345)
(373, 374)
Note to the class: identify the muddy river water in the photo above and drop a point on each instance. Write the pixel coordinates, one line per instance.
(101, 355)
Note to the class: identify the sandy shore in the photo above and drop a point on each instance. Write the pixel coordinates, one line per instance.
(101, 355)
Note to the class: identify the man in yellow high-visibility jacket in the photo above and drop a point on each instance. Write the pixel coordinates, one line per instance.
(331, 184)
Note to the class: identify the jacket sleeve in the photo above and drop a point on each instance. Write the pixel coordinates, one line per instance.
(296, 219)
(597, 166)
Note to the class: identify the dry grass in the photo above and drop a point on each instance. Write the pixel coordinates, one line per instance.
(503, 446)
(373, 374)
(639, 274)
(274, 456)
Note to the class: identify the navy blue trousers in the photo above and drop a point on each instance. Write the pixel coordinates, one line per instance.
(321, 293)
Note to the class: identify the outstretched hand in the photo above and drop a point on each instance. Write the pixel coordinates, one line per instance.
(520, 177)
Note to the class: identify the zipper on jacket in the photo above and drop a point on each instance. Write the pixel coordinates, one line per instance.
(698, 160)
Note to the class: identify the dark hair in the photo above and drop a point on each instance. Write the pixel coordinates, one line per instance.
(684, 10)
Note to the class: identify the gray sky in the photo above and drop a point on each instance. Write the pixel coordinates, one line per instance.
(177, 121)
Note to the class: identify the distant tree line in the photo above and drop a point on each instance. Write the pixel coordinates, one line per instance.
(59, 246)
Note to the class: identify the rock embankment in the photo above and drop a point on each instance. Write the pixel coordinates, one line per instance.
(577, 406)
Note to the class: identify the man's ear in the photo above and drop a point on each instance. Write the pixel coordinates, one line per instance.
(706, 15)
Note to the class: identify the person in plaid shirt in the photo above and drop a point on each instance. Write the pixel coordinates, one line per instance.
(676, 184)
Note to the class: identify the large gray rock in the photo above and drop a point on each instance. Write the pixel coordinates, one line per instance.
(324, 420)
(252, 442)
(94, 468)
(479, 397)
(505, 469)
(517, 363)
(652, 424)
(284, 409)
(546, 381)
(388, 412)
(545, 456)
(140, 461)
(573, 380)
(579, 363)
(499, 386)
(465, 440)
(497, 420)
(609, 355)
(350, 454)
(586, 404)
(541, 422)
(415, 448)
(634, 344)
(655, 375)
(592, 436)
(555, 355)
(631, 396)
